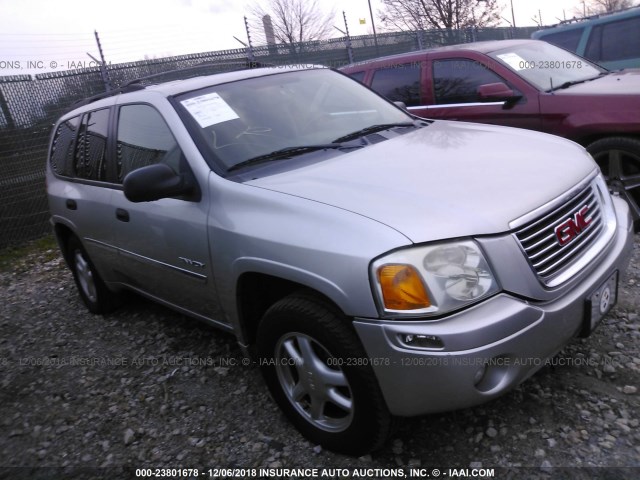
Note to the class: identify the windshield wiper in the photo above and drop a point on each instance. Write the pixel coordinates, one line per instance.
(289, 152)
(373, 129)
(576, 82)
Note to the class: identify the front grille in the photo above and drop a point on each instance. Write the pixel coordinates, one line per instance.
(540, 243)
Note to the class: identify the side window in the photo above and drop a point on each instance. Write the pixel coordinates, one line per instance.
(359, 76)
(620, 40)
(144, 138)
(91, 146)
(457, 80)
(61, 157)
(399, 83)
(568, 40)
(594, 45)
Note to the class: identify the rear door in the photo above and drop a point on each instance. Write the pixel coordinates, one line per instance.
(81, 194)
(399, 79)
(401, 82)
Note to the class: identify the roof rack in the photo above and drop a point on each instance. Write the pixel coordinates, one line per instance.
(141, 83)
(110, 93)
(218, 67)
(591, 17)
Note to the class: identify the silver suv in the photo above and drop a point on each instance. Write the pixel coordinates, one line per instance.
(371, 263)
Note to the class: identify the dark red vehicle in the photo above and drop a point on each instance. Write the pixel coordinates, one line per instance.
(527, 84)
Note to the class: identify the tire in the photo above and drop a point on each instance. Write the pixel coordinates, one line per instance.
(619, 160)
(300, 341)
(92, 289)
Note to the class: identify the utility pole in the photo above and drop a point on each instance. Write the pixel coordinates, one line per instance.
(513, 16)
(373, 25)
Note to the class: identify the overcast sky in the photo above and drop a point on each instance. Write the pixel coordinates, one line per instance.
(43, 35)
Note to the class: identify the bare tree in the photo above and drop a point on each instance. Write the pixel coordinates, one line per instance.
(443, 15)
(293, 21)
(603, 6)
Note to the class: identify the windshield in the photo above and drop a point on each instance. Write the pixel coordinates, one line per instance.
(250, 118)
(547, 66)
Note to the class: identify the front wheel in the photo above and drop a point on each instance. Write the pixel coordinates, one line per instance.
(317, 372)
(619, 161)
(94, 293)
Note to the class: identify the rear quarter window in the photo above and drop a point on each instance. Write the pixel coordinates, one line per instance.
(61, 155)
(359, 76)
(568, 40)
(615, 41)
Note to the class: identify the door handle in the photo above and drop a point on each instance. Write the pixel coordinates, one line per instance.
(71, 204)
(122, 215)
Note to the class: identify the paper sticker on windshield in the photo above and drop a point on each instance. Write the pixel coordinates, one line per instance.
(514, 60)
(209, 109)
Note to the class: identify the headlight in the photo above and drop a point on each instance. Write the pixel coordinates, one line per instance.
(433, 279)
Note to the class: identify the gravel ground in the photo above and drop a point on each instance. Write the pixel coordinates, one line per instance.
(145, 387)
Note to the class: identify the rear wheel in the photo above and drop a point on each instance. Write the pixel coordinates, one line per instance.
(619, 160)
(94, 293)
(318, 373)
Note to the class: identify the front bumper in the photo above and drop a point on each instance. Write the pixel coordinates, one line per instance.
(487, 349)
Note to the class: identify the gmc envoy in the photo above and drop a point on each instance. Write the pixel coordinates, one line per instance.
(374, 264)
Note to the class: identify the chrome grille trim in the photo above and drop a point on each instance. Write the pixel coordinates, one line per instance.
(539, 242)
(526, 219)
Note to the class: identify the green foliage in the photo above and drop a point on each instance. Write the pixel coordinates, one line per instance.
(12, 258)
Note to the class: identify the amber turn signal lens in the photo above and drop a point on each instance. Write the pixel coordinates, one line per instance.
(402, 288)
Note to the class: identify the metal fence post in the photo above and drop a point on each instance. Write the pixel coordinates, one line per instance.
(4, 107)
(250, 55)
(103, 64)
(346, 28)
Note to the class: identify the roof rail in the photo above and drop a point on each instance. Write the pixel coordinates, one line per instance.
(591, 17)
(141, 83)
(223, 66)
(114, 91)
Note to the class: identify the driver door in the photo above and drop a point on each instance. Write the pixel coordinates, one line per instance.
(454, 84)
(163, 248)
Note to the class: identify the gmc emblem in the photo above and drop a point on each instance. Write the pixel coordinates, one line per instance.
(568, 230)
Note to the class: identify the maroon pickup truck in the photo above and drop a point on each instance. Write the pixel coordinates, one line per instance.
(528, 84)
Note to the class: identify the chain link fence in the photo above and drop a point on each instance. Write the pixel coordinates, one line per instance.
(30, 105)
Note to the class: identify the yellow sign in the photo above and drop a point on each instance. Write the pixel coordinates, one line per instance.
(363, 21)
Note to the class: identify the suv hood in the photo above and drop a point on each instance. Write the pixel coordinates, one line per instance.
(623, 82)
(449, 179)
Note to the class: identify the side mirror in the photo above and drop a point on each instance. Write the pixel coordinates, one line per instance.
(154, 182)
(496, 92)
